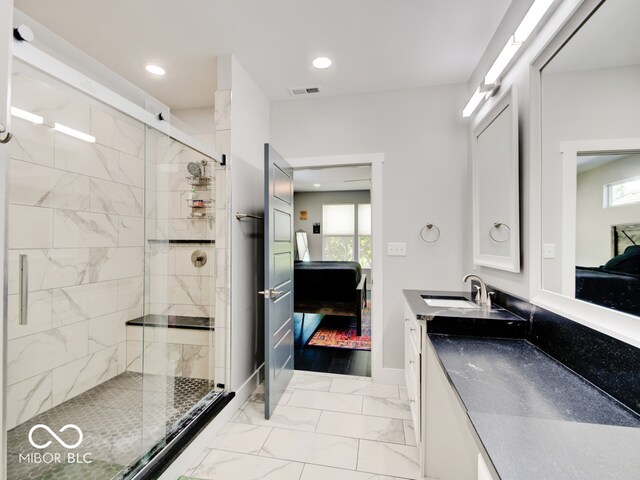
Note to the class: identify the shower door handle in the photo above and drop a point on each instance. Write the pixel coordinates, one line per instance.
(24, 289)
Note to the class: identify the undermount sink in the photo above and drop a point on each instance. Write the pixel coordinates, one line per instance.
(452, 302)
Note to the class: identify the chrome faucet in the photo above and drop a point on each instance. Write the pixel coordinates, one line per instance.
(483, 298)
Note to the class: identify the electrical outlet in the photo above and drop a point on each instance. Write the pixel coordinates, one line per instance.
(549, 250)
(397, 249)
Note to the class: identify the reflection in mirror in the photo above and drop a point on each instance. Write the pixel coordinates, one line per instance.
(591, 162)
(302, 247)
(495, 186)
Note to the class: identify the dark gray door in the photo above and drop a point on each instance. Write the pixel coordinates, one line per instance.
(278, 276)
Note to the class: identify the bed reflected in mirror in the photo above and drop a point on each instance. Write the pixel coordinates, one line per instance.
(608, 230)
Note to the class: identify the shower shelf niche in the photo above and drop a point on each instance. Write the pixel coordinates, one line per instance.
(198, 181)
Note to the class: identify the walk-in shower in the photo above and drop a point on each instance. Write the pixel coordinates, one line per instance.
(117, 326)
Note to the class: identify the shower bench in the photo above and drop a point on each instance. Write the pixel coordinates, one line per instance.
(175, 345)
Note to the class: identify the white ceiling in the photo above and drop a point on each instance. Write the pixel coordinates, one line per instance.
(375, 45)
(332, 179)
(610, 38)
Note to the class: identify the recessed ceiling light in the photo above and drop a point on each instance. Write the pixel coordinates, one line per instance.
(155, 69)
(322, 62)
(317, 185)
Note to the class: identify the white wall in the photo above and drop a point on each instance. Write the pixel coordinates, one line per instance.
(593, 221)
(423, 138)
(312, 202)
(249, 133)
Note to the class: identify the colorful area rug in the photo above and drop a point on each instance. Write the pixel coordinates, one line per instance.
(340, 332)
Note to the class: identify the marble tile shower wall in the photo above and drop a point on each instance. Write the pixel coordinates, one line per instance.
(177, 287)
(76, 209)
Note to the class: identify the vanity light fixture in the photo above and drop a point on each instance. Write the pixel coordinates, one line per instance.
(475, 100)
(522, 33)
(322, 63)
(74, 133)
(30, 117)
(156, 70)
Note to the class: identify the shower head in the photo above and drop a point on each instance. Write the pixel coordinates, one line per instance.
(194, 169)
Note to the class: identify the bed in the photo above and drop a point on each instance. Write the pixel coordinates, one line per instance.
(617, 290)
(616, 284)
(330, 288)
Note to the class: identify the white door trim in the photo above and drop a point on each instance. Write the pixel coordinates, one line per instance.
(376, 160)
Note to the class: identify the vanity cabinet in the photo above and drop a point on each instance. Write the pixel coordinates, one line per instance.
(444, 434)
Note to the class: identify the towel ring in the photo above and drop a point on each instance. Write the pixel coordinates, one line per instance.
(497, 226)
(430, 226)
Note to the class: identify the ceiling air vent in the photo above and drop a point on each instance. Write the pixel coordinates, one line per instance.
(297, 92)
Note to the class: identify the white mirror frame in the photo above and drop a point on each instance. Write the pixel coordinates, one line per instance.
(510, 262)
(619, 325)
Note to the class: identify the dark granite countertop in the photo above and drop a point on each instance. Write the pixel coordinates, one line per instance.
(536, 418)
(496, 322)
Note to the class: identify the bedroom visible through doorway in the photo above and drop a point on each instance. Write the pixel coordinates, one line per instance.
(333, 269)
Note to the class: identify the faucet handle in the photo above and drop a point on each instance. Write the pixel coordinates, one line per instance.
(478, 294)
(489, 295)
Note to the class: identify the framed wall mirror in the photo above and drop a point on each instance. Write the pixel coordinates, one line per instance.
(496, 205)
(590, 166)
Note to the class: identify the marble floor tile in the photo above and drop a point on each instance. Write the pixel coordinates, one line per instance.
(284, 416)
(302, 381)
(329, 450)
(386, 407)
(241, 438)
(337, 402)
(409, 433)
(221, 465)
(318, 472)
(388, 459)
(362, 426)
(369, 389)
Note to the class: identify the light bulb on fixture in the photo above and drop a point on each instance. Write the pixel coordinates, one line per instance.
(156, 70)
(322, 62)
(317, 185)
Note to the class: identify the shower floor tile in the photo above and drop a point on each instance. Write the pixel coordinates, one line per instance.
(120, 420)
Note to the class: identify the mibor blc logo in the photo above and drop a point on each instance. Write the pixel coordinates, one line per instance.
(55, 457)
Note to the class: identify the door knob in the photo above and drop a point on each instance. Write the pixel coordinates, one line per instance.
(271, 293)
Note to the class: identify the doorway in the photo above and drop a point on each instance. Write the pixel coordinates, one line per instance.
(333, 269)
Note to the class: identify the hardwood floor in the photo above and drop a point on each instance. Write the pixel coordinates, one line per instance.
(323, 359)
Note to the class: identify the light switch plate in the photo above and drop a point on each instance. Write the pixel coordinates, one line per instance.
(549, 250)
(397, 249)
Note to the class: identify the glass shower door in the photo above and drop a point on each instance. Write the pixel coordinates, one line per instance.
(178, 333)
(75, 274)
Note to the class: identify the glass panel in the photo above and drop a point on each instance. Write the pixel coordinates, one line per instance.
(76, 231)
(178, 334)
(336, 248)
(365, 251)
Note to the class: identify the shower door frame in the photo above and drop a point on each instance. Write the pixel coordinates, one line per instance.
(6, 57)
